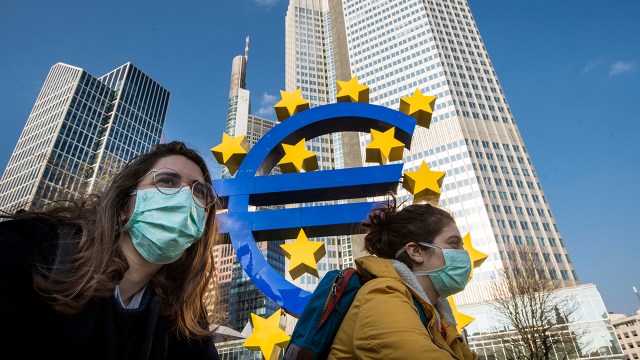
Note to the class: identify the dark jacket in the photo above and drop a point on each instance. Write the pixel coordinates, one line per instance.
(30, 327)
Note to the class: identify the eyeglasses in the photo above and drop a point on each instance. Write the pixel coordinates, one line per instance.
(169, 182)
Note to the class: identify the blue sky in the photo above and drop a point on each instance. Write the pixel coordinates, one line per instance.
(570, 70)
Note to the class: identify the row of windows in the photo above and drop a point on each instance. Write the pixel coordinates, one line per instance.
(518, 209)
(26, 161)
(503, 195)
(59, 83)
(44, 125)
(522, 224)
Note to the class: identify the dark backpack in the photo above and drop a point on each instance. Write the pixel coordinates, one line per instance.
(321, 318)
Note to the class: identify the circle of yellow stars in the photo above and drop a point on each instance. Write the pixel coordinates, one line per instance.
(303, 255)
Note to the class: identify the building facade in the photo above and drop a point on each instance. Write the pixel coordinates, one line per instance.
(395, 47)
(628, 332)
(491, 186)
(80, 129)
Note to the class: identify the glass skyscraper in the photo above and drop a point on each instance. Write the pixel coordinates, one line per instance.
(81, 128)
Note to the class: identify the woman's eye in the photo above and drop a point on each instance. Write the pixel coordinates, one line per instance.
(168, 181)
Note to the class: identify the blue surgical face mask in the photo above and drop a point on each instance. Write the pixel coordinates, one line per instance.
(453, 276)
(163, 226)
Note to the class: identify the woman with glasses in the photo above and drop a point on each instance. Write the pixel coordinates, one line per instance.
(124, 274)
(401, 311)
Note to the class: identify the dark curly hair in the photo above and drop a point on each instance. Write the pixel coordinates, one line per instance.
(390, 228)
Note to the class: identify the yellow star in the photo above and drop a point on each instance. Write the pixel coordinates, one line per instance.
(303, 255)
(424, 183)
(297, 157)
(462, 320)
(384, 147)
(267, 334)
(419, 106)
(477, 257)
(352, 91)
(231, 151)
(291, 104)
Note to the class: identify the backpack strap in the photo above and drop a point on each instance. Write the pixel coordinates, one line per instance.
(423, 316)
(337, 289)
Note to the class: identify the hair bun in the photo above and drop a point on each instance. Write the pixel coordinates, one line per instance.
(379, 235)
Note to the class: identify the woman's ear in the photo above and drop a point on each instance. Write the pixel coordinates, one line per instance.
(415, 253)
(122, 219)
(127, 210)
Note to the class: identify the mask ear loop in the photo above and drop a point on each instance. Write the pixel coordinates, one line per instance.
(403, 249)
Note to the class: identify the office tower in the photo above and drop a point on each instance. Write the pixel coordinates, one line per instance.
(238, 294)
(80, 129)
(491, 187)
(395, 47)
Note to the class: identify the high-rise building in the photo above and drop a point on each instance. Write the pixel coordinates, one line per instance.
(238, 294)
(79, 129)
(395, 47)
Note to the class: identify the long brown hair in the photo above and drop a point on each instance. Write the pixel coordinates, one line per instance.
(98, 264)
(391, 228)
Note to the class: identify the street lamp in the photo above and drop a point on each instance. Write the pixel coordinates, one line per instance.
(636, 291)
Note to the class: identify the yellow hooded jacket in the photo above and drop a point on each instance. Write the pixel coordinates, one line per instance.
(383, 322)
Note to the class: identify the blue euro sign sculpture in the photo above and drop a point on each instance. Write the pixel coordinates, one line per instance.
(252, 186)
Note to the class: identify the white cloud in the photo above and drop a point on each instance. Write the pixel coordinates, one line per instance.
(265, 111)
(266, 105)
(266, 3)
(622, 66)
(592, 64)
(268, 99)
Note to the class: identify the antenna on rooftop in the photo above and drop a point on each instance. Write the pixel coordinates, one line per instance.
(246, 49)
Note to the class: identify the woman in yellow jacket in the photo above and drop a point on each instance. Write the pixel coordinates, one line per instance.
(417, 254)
